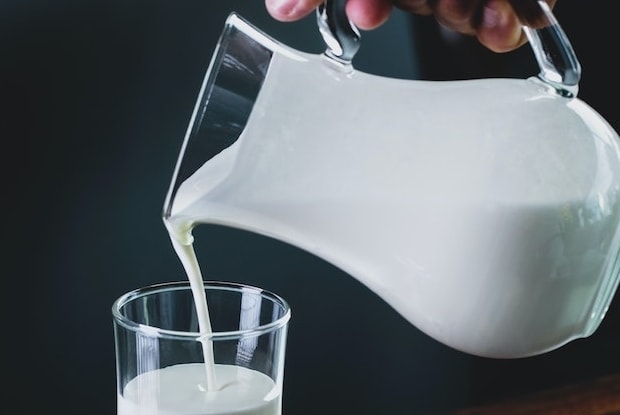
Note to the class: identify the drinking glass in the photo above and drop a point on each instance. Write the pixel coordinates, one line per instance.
(166, 365)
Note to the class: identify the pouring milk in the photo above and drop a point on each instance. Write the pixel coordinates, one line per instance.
(199, 388)
(494, 231)
(485, 212)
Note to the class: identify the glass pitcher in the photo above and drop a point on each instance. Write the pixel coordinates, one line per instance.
(486, 212)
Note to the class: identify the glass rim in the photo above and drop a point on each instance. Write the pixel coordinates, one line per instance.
(153, 331)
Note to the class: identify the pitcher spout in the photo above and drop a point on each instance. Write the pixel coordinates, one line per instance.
(233, 79)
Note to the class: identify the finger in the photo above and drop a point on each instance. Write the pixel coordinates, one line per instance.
(421, 7)
(368, 14)
(458, 15)
(499, 28)
(291, 10)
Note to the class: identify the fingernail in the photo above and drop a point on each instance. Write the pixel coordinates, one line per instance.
(281, 8)
(491, 17)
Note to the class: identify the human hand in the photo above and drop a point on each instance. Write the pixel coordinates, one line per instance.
(497, 24)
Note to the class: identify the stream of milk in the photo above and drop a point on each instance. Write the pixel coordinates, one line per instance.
(199, 389)
(487, 223)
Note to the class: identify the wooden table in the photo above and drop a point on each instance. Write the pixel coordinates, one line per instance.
(598, 397)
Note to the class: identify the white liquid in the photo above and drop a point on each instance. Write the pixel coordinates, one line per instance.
(199, 388)
(477, 209)
(180, 390)
(192, 268)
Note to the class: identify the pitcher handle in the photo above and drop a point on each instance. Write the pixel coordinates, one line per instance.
(556, 58)
(559, 67)
(340, 35)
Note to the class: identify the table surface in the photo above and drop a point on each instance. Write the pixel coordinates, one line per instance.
(598, 397)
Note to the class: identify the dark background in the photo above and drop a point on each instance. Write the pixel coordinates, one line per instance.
(95, 98)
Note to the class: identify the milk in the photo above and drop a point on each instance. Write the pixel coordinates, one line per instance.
(183, 248)
(199, 388)
(450, 273)
(486, 213)
(180, 390)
